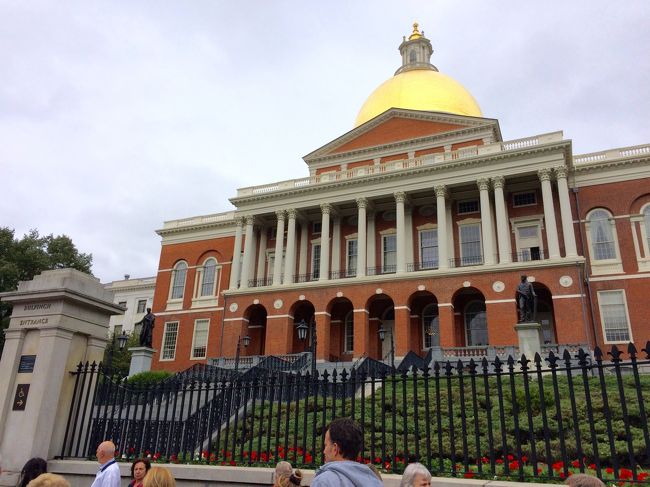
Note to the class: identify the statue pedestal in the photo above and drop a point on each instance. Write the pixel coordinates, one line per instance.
(140, 359)
(530, 339)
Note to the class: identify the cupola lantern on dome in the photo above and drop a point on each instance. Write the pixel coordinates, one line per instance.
(418, 85)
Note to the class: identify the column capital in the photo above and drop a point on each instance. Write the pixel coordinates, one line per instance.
(239, 221)
(292, 213)
(326, 208)
(281, 215)
(560, 172)
(483, 184)
(441, 190)
(498, 182)
(362, 202)
(544, 174)
(249, 219)
(400, 196)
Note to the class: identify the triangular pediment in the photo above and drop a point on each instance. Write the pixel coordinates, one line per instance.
(399, 125)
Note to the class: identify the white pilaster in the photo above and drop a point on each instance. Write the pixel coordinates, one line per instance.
(441, 213)
(279, 245)
(261, 255)
(247, 265)
(290, 258)
(565, 212)
(549, 214)
(400, 198)
(336, 245)
(236, 253)
(503, 234)
(362, 203)
(304, 235)
(326, 208)
(486, 222)
(408, 224)
(371, 240)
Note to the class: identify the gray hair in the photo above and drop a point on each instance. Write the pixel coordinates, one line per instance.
(413, 469)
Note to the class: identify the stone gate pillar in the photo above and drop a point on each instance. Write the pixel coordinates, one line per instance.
(59, 319)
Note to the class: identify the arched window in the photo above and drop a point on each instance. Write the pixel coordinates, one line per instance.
(431, 326)
(476, 332)
(209, 277)
(413, 56)
(348, 346)
(178, 280)
(646, 224)
(602, 237)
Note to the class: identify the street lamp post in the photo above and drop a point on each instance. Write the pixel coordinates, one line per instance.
(122, 338)
(382, 336)
(246, 341)
(302, 329)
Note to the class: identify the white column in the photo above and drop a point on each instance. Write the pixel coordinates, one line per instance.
(565, 212)
(236, 252)
(441, 212)
(336, 245)
(486, 222)
(371, 239)
(408, 224)
(261, 255)
(326, 208)
(503, 233)
(362, 203)
(451, 230)
(302, 263)
(549, 214)
(290, 258)
(247, 265)
(279, 245)
(400, 198)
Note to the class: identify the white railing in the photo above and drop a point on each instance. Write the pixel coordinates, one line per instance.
(199, 220)
(612, 154)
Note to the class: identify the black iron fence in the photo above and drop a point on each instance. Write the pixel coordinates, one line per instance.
(544, 418)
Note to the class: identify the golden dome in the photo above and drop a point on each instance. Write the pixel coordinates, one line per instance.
(419, 89)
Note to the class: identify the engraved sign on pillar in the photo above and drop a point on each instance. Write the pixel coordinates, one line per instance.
(20, 399)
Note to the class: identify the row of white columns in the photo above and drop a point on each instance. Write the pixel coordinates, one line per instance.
(366, 246)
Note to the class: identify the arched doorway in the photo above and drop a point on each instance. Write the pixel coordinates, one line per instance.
(256, 317)
(471, 327)
(425, 322)
(341, 313)
(545, 314)
(302, 310)
(381, 314)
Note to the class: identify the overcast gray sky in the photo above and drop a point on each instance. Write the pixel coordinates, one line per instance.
(118, 115)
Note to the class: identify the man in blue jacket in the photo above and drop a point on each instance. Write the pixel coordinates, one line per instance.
(343, 439)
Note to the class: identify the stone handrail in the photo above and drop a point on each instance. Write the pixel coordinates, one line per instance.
(199, 220)
(612, 154)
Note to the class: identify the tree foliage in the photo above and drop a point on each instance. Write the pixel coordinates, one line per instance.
(22, 259)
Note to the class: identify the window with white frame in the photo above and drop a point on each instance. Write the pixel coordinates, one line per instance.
(525, 198)
(602, 237)
(429, 249)
(200, 339)
(348, 345)
(645, 231)
(170, 334)
(468, 206)
(351, 257)
(315, 261)
(476, 332)
(389, 253)
(209, 277)
(470, 244)
(178, 280)
(431, 326)
(614, 316)
(142, 305)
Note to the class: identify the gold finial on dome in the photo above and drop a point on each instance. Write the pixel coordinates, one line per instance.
(416, 33)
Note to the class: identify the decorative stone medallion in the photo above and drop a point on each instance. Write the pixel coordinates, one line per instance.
(379, 290)
(233, 307)
(498, 286)
(421, 287)
(300, 298)
(277, 304)
(531, 279)
(467, 284)
(256, 301)
(339, 294)
(566, 281)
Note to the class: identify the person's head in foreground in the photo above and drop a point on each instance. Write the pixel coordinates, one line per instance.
(584, 480)
(32, 469)
(105, 452)
(416, 475)
(285, 476)
(49, 480)
(139, 469)
(342, 440)
(159, 477)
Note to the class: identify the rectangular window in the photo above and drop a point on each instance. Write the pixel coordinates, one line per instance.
(169, 341)
(389, 254)
(200, 339)
(351, 261)
(315, 261)
(316, 228)
(613, 313)
(349, 333)
(470, 244)
(468, 206)
(527, 198)
(208, 275)
(142, 304)
(117, 330)
(429, 249)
